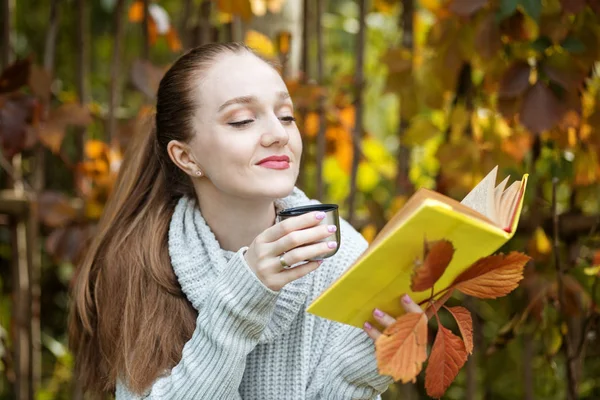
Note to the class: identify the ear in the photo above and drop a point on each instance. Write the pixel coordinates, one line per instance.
(182, 156)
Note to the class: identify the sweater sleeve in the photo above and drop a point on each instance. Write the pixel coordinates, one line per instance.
(228, 328)
(348, 368)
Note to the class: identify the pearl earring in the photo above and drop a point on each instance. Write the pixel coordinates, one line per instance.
(199, 173)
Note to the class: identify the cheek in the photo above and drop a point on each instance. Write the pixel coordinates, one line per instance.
(296, 142)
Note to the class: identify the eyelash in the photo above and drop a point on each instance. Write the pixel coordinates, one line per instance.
(239, 124)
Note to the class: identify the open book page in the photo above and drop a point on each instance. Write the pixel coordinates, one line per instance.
(498, 195)
(508, 202)
(481, 198)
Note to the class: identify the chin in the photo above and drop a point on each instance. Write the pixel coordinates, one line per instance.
(277, 188)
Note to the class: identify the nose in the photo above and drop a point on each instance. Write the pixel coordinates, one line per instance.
(275, 132)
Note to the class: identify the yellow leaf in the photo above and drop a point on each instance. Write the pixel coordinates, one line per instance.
(397, 203)
(542, 243)
(338, 180)
(459, 119)
(587, 168)
(385, 6)
(592, 271)
(284, 44)
(379, 156)
(93, 210)
(367, 177)
(95, 149)
(420, 130)
(432, 5)
(236, 7)
(260, 43)
(369, 232)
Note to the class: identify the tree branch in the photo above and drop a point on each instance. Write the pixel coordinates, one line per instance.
(359, 79)
(571, 379)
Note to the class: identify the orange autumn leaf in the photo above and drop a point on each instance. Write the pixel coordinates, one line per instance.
(136, 11)
(402, 348)
(438, 255)
(465, 325)
(173, 40)
(243, 8)
(448, 355)
(493, 276)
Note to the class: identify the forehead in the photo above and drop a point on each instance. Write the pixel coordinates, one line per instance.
(236, 75)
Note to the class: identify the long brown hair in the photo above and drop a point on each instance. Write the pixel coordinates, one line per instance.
(129, 318)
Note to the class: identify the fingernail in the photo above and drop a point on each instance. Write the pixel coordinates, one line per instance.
(320, 215)
(406, 299)
(332, 228)
(332, 245)
(378, 313)
(367, 326)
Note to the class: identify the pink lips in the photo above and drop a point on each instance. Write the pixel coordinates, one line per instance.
(275, 162)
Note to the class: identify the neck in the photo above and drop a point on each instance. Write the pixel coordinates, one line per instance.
(235, 221)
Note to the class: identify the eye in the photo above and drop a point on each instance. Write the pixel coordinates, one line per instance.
(288, 119)
(241, 123)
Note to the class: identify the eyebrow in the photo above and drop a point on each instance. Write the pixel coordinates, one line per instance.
(249, 100)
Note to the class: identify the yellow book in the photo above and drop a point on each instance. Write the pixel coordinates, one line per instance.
(477, 226)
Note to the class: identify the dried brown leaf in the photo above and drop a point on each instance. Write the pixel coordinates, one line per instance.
(437, 256)
(402, 348)
(515, 80)
(465, 325)
(15, 75)
(493, 276)
(448, 355)
(465, 8)
(541, 109)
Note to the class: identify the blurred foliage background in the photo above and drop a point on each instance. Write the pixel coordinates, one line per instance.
(391, 96)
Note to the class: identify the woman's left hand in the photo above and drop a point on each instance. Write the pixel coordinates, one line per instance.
(386, 320)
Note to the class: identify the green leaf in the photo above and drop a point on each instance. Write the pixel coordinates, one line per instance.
(507, 8)
(541, 44)
(533, 8)
(573, 45)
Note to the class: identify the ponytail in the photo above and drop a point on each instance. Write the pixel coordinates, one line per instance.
(126, 298)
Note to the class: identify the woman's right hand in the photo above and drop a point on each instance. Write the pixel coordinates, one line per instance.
(285, 237)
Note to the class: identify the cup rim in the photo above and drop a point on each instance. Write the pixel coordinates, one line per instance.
(303, 209)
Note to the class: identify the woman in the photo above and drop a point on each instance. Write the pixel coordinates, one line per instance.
(184, 292)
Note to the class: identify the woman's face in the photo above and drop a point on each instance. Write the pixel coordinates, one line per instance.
(245, 115)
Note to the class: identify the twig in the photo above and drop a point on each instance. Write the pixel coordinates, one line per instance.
(5, 164)
(589, 322)
(321, 138)
(571, 380)
(403, 184)
(359, 79)
(113, 97)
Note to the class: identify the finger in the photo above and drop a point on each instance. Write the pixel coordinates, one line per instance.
(383, 318)
(289, 275)
(409, 305)
(371, 331)
(308, 252)
(292, 224)
(302, 237)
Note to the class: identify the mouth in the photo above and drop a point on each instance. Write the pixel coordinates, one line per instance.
(275, 164)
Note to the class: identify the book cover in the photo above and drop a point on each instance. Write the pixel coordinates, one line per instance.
(382, 274)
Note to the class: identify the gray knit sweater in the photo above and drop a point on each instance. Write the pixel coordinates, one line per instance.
(254, 343)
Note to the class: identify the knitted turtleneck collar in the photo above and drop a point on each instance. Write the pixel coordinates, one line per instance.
(198, 259)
